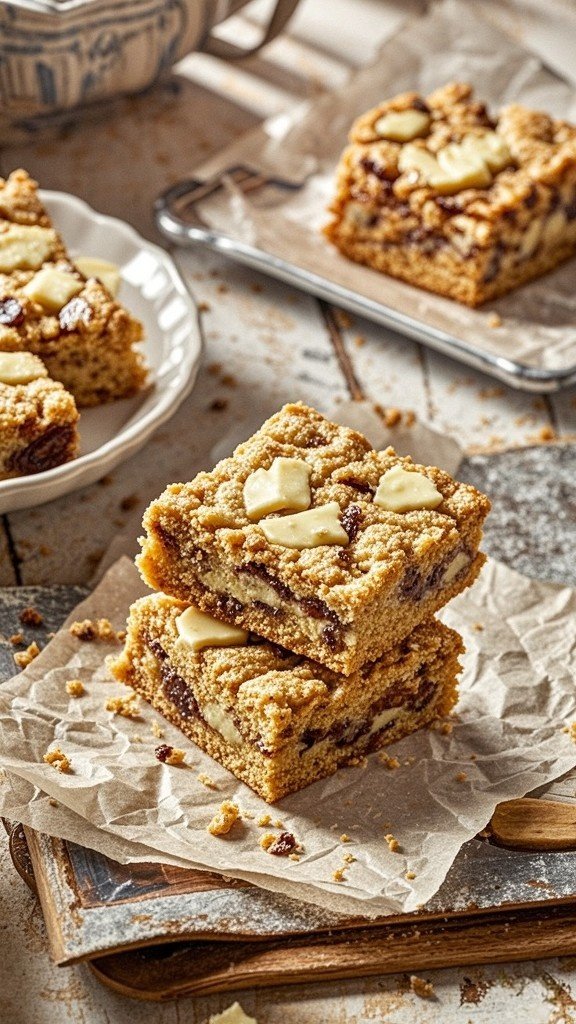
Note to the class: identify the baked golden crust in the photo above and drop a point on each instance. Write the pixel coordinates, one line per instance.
(276, 720)
(89, 345)
(472, 245)
(37, 427)
(340, 605)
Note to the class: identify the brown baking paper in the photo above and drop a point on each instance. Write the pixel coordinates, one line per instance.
(517, 694)
(452, 42)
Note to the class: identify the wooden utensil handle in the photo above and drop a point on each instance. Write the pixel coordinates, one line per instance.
(529, 824)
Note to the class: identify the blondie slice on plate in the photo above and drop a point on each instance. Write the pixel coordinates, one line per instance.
(86, 338)
(276, 720)
(438, 192)
(37, 417)
(312, 539)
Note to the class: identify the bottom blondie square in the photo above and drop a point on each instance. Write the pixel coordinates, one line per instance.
(38, 418)
(276, 720)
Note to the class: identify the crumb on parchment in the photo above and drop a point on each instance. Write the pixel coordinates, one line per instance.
(225, 817)
(409, 876)
(170, 755)
(461, 776)
(157, 731)
(391, 763)
(207, 781)
(280, 846)
(24, 658)
(126, 707)
(88, 630)
(57, 758)
(393, 844)
(75, 687)
(421, 988)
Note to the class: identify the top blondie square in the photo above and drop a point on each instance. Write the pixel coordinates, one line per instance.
(343, 602)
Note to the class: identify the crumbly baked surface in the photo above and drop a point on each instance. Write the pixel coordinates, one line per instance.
(276, 720)
(90, 343)
(37, 427)
(340, 605)
(479, 242)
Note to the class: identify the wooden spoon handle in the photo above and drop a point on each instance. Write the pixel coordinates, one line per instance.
(529, 824)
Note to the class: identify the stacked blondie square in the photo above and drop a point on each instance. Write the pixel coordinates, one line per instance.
(65, 341)
(293, 627)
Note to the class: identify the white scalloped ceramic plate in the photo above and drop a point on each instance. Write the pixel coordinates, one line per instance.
(153, 290)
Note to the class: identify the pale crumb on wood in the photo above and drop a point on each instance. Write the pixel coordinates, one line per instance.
(57, 758)
(393, 844)
(494, 320)
(345, 838)
(409, 876)
(75, 687)
(421, 988)
(24, 658)
(207, 781)
(461, 776)
(126, 707)
(391, 763)
(264, 820)
(30, 616)
(224, 819)
(16, 638)
(157, 730)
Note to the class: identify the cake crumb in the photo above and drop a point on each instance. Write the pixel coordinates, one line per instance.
(57, 758)
(421, 988)
(339, 875)
(461, 777)
(392, 416)
(393, 844)
(169, 755)
(264, 820)
(137, 738)
(278, 823)
(294, 856)
(391, 763)
(204, 307)
(409, 876)
(126, 707)
(345, 838)
(446, 728)
(279, 846)
(207, 781)
(157, 731)
(53, 802)
(494, 320)
(409, 418)
(478, 627)
(16, 638)
(75, 687)
(349, 858)
(88, 630)
(359, 340)
(571, 730)
(24, 658)
(224, 819)
(30, 616)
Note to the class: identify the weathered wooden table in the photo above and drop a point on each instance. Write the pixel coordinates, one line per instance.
(265, 344)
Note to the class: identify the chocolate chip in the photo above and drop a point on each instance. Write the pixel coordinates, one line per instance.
(175, 688)
(228, 607)
(332, 637)
(75, 313)
(420, 104)
(284, 844)
(275, 613)
(385, 175)
(358, 485)
(317, 609)
(166, 538)
(163, 752)
(351, 520)
(11, 312)
(53, 448)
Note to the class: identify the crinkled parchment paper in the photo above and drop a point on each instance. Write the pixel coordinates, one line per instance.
(453, 41)
(517, 694)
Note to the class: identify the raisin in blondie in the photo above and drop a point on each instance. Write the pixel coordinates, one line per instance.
(38, 417)
(86, 339)
(276, 720)
(438, 192)
(312, 539)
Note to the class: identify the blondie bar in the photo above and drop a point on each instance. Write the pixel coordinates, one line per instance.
(276, 720)
(86, 338)
(376, 545)
(438, 192)
(37, 417)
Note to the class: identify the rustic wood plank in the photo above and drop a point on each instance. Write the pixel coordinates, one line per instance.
(9, 565)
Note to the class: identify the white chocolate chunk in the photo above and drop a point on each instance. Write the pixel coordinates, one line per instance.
(284, 485)
(308, 529)
(416, 158)
(25, 247)
(232, 1015)
(52, 288)
(455, 567)
(222, 722)
(402, 125)
(198, 630)
(107, 273)
(20, 368)
(400, 490)
(490, 147)
(460, 170)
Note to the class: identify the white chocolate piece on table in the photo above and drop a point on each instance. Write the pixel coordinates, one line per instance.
(25, 247)
(309, 529)
(20, 368)
(198, 630)
(400, 490)
(402, 125)
(107, 273)
(52, 288)
(284, 486)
